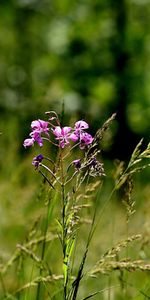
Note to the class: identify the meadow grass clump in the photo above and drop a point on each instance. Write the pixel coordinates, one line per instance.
(52, 262)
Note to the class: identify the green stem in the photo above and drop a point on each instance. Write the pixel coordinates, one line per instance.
(109, 287)
(64, 240)
(64, 230)
(43, 249)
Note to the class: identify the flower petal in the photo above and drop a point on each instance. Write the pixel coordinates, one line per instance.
(35, 125)
(36, 136)
(73, 137)
(57, 131)
(77, 163)
(81, 125)
(43, 125)
(40, 125)
(86, 138)
(28, 142)
(36, 160)
(65, 130)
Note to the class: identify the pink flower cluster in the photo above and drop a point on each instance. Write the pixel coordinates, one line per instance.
(37, 128)
(62, 134)
(65, 134)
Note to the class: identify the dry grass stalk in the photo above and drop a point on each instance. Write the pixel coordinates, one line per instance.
(109, 266)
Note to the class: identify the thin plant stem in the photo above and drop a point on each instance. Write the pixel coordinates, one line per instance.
(46, 179)
(70, 179)
(28, 290)
(110, 277)
(63, 225)
(127, 253)
(44, 247)
(109, 287)
(100, 292)
(49, 170)
(76, 283)
(73, 147)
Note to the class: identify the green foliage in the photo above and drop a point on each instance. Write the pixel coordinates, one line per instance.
(80, 51)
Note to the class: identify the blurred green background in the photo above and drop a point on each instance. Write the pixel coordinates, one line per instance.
(92, 54)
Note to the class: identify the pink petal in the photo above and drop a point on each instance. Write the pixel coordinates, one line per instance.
(43, 125)
(40, 125)
(65, 130)
(35, 125)
(86, 138)
(57, 131)
(28, 142)
(62, 144)
(81, 125)
(36, 136)
(73, 137)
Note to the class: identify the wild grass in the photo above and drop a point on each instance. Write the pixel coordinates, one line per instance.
(85, 237)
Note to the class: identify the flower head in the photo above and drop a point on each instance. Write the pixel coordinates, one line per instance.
(37, 160)
(77, 163)
(85, 139)
(78, 130)
(37, 137)
(40, 126)
(62, 135)
(81, 135)
(28, 142)
(80, 125)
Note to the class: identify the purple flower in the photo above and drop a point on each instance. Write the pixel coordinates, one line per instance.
(77, 163)
(79, 133)
(37, 160)
(62, 134)
(40, 126)
(28, 142)
(85, 139)
(37, 138)
(78, 130)
(80, 125)
(74, 137)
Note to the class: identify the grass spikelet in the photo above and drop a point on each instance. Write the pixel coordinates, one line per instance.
(107, 267)
(37, 280)
(34, 242)
(93, 149)
(127, 200)
(100, 133)
(29, 253)
(89, 190)
(113, 252)
(92, 186)
(136, 164)
(136, 153)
